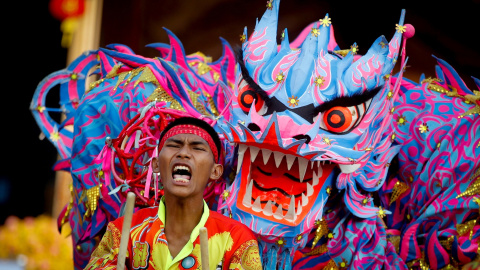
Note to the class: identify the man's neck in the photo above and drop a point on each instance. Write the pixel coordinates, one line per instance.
(181, 217)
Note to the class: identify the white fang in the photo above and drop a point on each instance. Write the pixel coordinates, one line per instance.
(290, 159)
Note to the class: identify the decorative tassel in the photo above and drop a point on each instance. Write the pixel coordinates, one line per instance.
(92, 200)
(474, 189)
(398, 190)
(466, 227)
(331, 266)
(322, 229)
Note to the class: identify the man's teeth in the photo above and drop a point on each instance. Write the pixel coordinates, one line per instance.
(181, 167)
(303, 164)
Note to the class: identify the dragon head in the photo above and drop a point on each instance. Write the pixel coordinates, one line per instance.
(308, 118)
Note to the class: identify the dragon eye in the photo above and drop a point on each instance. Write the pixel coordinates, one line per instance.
(246, 95)
(340, 119)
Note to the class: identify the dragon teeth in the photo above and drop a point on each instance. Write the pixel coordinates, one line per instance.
(302, 168)
(247, 199)
(316, 177)
(291, 215)
(299, 208)
(290, 160)
(266, 155)
(309, 189)
(303, 163)
(278, 213)
(304, 199)
(241, 151)
(257, 205)
(346, 168)
(278, 158)
(267, 210)
(253, 153)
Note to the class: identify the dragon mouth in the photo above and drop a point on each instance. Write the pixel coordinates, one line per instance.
(277, 186)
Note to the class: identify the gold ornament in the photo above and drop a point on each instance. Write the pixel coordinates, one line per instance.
(398, 189)
(322, 230)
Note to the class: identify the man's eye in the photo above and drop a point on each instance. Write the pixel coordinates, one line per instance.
(199, 148)
(173, 145)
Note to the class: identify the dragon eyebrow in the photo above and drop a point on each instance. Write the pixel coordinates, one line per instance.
(347, 101)
(255, 87)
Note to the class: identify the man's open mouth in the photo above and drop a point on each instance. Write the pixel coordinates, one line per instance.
(181, 173)
(279, 186)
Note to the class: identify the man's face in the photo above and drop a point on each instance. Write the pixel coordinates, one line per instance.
(186, 163)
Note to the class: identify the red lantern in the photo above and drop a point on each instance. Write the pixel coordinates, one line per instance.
(63, 9)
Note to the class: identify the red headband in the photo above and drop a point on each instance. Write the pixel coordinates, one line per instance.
(191, 129)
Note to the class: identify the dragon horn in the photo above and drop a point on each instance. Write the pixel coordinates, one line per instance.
(394, 45)
(324, 36)
(262, 45)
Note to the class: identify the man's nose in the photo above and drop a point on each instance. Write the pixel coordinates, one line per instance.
(184, 152)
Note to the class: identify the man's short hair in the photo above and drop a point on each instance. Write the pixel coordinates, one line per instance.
(199, 123)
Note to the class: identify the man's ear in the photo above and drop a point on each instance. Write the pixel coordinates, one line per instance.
(155, 165)
(217, 172)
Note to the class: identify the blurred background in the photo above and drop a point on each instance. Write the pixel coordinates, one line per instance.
(32, 41)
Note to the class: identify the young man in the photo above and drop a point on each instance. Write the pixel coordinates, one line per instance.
(167, 236)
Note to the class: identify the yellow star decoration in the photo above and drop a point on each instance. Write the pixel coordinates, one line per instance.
(326, 21)
(393, 136)
(100, 174)
(423, 128)
(54, 136)
(401, 120)
(40, 108)
(243, 38)
(281, 242)
(269, 4)
(365, 201)
(293, 101)
(225, 194)
(383, 44)
(330, 235)
(392, 110)
(326, 140)
(389, 95)
(73, 76)
(328, 190)
(315, 32)
(280, 77)
(298, 238)
(381, 212)
(354, 49)
(343, 264)
(319, 81)
(282, 37)
(400, 28)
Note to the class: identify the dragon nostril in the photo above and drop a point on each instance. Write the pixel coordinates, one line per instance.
(302, 137)
(253, 127)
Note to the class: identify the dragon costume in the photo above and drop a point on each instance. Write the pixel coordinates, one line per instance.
(332, 160)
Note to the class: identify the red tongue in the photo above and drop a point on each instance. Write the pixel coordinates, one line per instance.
(184, 176)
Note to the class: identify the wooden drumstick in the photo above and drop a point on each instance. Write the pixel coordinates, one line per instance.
(127, 223)
(204, 248)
